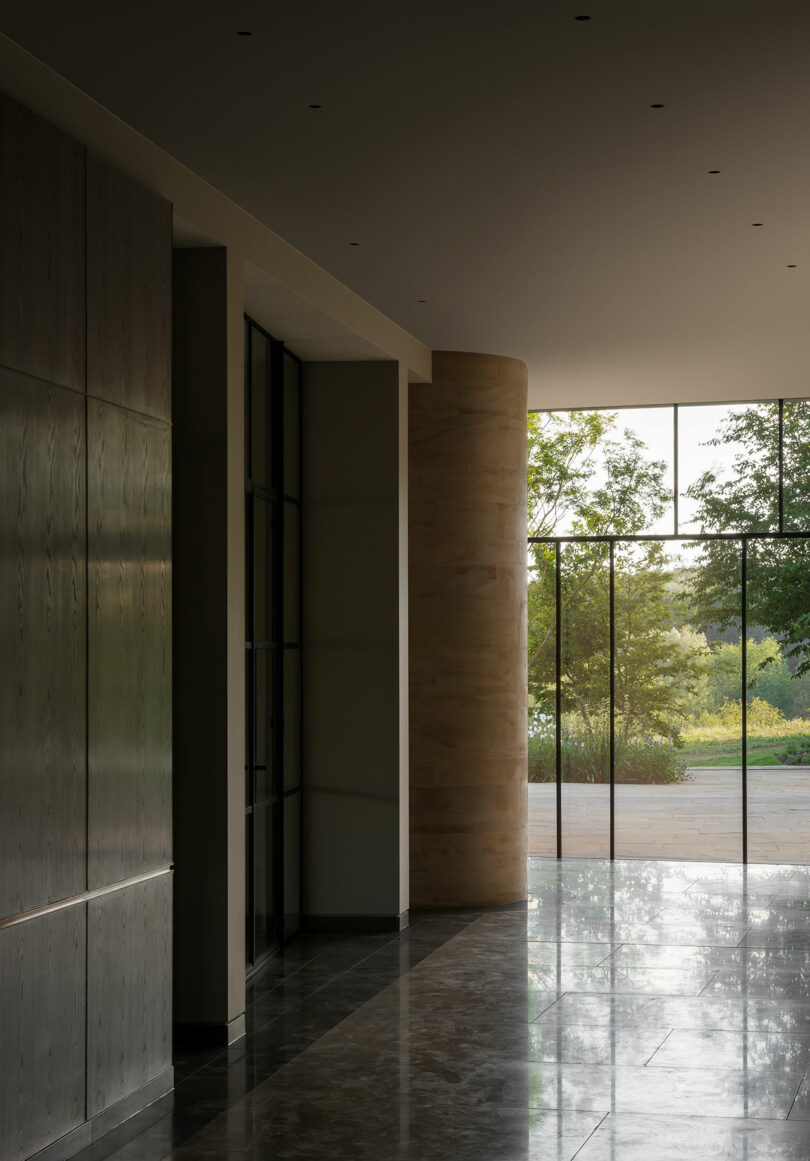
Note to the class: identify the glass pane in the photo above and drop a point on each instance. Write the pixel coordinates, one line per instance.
(263, 846)
(292, 426)
(678, 741)
(262, 570)
(292, 573)
(260, 443)
(292, 864)
(542, 701)
(778, 699)
(601, 472)
(292, 718)
(728, 456)
(247, 398)
(248, 727)
(585, 699)
(264, 723)
(796, 425)
(249, 954)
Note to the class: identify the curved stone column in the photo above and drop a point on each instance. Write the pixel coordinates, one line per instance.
(467, 584)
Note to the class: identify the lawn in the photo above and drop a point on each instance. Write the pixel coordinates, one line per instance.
(772, 749)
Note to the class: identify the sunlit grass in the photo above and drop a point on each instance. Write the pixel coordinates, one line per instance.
(717, 745)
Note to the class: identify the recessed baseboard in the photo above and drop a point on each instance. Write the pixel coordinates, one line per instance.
(200, 1035)
(107, 1119)
(356, 924)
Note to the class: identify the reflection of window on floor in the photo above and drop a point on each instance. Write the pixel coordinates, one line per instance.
(669, 632)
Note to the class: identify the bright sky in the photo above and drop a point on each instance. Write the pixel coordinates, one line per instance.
(696, 425)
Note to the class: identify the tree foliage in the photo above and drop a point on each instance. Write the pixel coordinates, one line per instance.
(589, 478)
(746, 499)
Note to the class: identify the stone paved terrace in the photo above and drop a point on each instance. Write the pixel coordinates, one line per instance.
(699, 819)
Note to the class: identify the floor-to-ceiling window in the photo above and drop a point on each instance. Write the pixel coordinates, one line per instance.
(272, 642)
(669, 632)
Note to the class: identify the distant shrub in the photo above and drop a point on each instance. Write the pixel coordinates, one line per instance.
(761, 715)
(586, 759)
(796, 754)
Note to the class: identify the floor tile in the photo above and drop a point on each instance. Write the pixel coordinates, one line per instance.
(707, 1013)
(622, 1137)
(663, 1091)
(561, 1043)
(775, 1051)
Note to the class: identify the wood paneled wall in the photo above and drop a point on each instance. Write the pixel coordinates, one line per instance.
(85, 639)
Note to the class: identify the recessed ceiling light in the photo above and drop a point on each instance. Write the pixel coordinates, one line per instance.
(756, 223)
(582, 18)
(314, 106)
(244, 32)
(656, 106)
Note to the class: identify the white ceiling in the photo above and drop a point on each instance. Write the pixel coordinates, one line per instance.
(502, 162)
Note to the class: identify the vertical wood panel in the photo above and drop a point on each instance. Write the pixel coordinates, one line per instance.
(129, 644)
(42, 248)
(129, 254)
(128, 990)
(42, 1031)
(42, 644)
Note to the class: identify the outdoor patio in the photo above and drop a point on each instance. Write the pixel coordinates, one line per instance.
(700, 819)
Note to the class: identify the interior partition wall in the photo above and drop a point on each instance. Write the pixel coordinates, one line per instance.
(592, 596)
(273, 812)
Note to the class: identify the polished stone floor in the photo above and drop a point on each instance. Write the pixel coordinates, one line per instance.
(639, 1010)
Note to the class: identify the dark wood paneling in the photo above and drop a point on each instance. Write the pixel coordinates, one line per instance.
(42, 644)
(42, 248)
(129, 255)
(129, 643)
(42, 1031)
(128, 990)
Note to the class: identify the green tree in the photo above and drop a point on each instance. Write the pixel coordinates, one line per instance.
(658, 672)
(589, 478)
(746, 499)
(769, 678)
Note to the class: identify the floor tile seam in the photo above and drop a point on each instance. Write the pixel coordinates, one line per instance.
(591, 1134)
(658, 1049)
(301, 1000)
(395, 938)
(686, 1116)
(795, 1095)
(329, 1030)
(712, 977)
(745, 936)
(763, 1070)
(325, 950)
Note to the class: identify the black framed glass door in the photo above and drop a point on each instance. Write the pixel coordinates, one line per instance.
(273, 719)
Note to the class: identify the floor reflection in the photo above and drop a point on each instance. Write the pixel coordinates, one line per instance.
(635, 1010)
